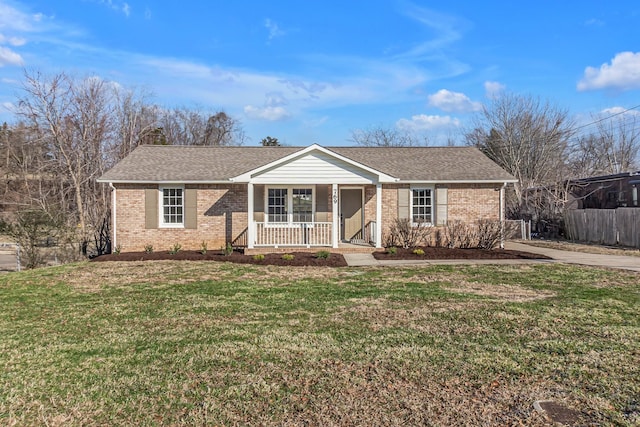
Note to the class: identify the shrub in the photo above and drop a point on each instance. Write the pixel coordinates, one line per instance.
(227, 250)
(461, 235)
(288, 257)
(203, 248)
(30, 230)
(117, 249)
(175, 249)
(406, 234)
(148, 248)
(323, 254)
(392, 250)
(258, 257)
(489, 233)
(418, 251)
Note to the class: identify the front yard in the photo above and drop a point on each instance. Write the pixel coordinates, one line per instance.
(206, 343)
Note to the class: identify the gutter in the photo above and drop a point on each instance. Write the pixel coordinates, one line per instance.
(502, 209)
(114, 243)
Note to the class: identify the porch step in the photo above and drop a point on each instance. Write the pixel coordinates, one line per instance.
(351, 249)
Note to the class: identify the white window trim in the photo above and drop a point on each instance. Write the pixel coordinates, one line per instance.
(289, 189)
(161, 223)
(433, 204)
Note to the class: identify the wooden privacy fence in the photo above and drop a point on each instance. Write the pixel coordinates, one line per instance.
(604, 226)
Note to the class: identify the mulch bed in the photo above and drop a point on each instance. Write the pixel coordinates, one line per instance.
(457, 253)
(310, 258)
(299, 258)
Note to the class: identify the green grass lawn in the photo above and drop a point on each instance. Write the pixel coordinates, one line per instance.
(169, 343)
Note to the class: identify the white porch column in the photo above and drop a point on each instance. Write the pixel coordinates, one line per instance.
(502, 215)
(250, 225)
(335, 229)
(378, 215)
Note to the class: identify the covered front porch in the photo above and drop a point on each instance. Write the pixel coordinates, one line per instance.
(314, 198)
(314, 216)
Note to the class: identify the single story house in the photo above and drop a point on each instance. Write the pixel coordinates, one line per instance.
(278, 197)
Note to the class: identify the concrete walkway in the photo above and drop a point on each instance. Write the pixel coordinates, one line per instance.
(622, 262)
(610, 261)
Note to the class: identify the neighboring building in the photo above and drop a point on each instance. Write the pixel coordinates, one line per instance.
(606, 192)
(292, 196)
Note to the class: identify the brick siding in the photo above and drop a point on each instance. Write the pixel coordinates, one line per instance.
(222, 213)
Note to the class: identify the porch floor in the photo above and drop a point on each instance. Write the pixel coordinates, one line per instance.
(343, 247)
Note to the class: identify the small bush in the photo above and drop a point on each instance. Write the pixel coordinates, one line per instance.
(148, 248)
(392, 250)
(175, 249)
(489, 233)
(258, 257)
(288, 257)
(418, 251)
(117, 250)
(227, 250)
(461, 235)
(203, 248)
(406, 234)
(323, 254)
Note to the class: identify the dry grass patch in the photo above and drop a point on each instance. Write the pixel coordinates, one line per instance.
(501, 291)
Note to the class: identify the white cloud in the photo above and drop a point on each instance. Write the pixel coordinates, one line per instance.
(619, 111)
(13, 41)
(272, 114)
(493, 89)
(9, 57)
(274, 29)
(623, 74)
(126, 9)
(453, 101)
(422, 122)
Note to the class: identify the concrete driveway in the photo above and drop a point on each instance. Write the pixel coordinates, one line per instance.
(597, 260)
(622, 262)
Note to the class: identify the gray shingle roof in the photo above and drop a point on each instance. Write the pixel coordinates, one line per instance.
(150, 163)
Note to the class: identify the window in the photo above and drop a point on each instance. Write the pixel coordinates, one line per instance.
(289, 204)
(302, 205)
(421, 205)
(277, 205)
(172, 207)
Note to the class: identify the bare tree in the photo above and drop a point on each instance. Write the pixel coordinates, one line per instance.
(384, 137)
(526, 137)
(135, 118)
(185, 126)
(73, 120)
(613, 148)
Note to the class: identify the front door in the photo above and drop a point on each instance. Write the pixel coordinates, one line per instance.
(351, 214)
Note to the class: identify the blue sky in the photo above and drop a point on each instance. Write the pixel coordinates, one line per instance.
(313, 71)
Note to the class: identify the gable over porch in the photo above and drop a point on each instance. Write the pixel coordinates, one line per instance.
(314, 198)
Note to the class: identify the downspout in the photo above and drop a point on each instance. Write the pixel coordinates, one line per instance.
(504, 185)
(114, 243)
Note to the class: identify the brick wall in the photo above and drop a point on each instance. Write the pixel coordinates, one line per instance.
(466, 202)
(471, 202)
(221, 212)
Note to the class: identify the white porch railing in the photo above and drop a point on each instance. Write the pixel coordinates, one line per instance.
(370, 232)
(293, 234)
